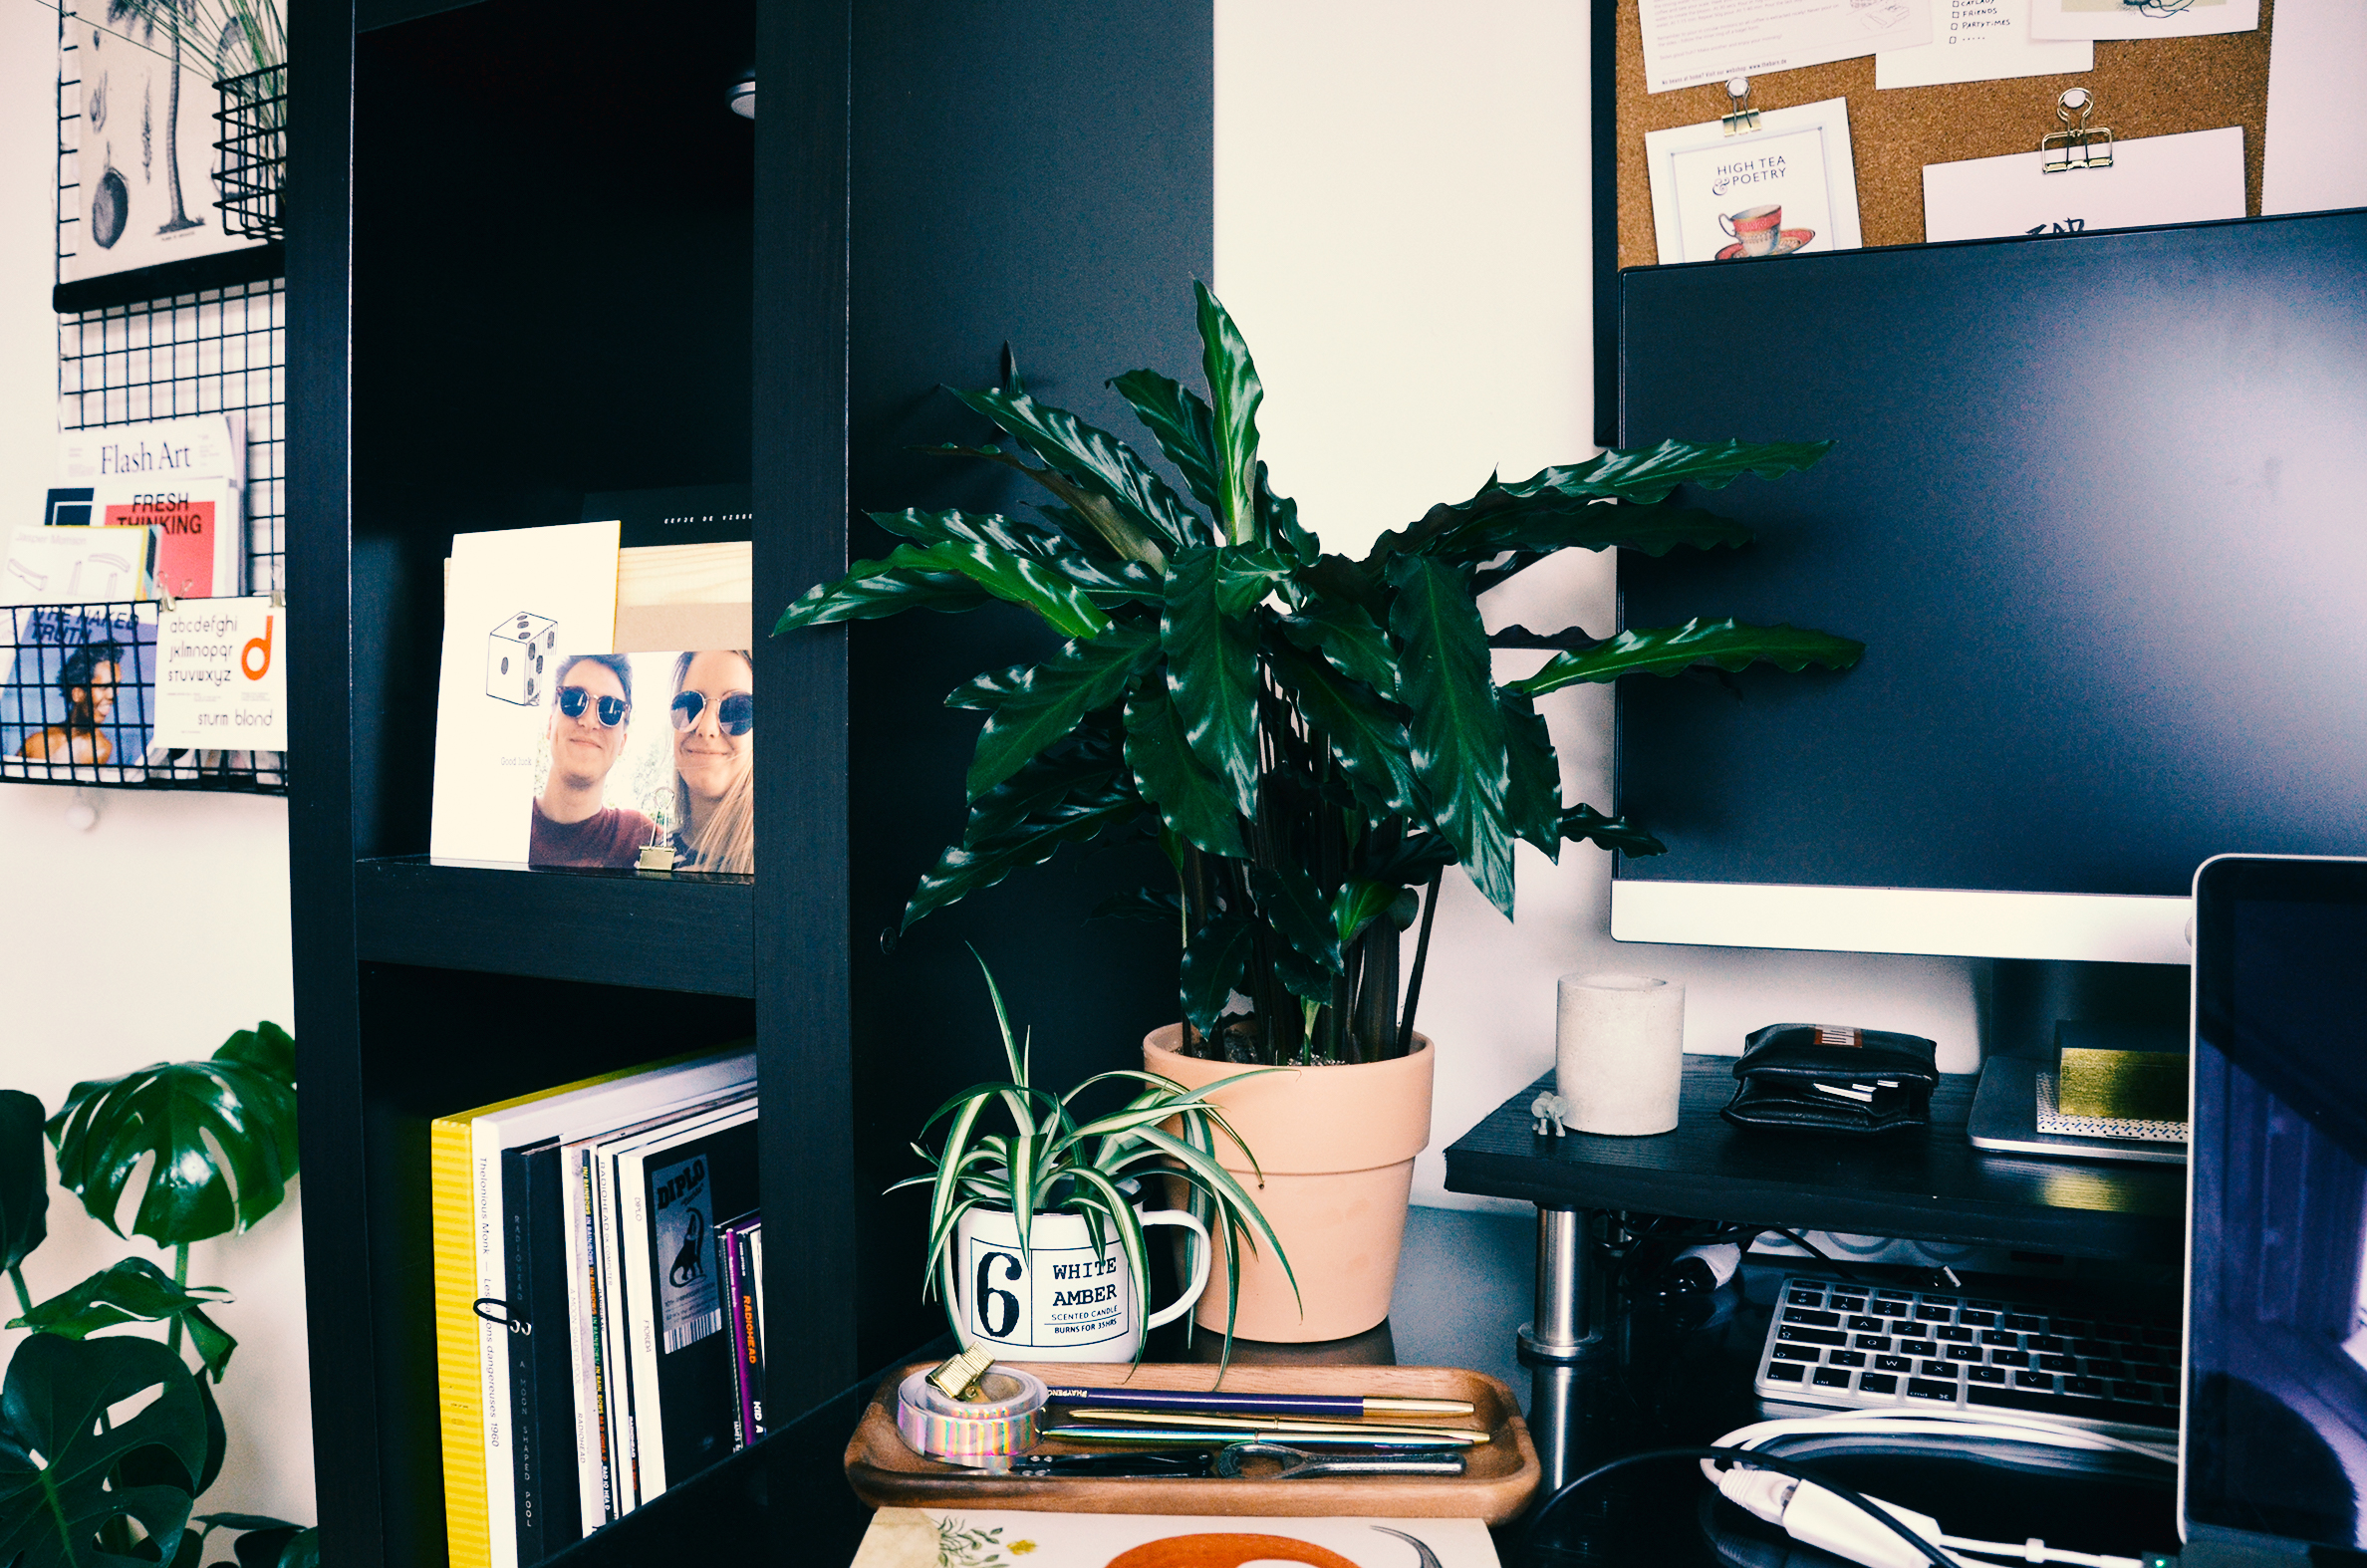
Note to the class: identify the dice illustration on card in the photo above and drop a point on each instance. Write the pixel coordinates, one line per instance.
(517, 652)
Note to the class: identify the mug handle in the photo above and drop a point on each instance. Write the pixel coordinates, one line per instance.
(1729, 227)
(1199, 1276)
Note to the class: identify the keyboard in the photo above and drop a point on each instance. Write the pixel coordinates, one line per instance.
(1870, 1347)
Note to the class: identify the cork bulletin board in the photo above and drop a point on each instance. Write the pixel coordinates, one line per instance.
(2141, 88)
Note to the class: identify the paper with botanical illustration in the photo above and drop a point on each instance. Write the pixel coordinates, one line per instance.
(1006, 1538)
(2187, 178)
(1982, 40)
(1688, 42)
(2141, 18)
(1788, 186)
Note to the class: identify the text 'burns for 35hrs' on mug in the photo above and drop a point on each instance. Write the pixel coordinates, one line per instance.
(1058, 1299)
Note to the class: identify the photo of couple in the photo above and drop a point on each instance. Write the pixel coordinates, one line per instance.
(614, 775)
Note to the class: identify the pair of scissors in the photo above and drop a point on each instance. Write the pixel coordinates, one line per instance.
(1297, 1463)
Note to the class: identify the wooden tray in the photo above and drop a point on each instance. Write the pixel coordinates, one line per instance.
(1501, 1472)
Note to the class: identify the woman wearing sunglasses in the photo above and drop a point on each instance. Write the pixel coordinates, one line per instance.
(715, 749)
(590, 710)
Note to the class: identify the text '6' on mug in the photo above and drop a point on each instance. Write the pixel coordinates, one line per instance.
(1062, 1299)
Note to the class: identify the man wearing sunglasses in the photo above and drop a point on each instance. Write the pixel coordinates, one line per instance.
(591, 710)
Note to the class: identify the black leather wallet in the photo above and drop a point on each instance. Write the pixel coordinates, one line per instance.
(1822, 1078)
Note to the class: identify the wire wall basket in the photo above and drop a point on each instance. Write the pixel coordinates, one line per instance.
(253, 150)
(78, 706)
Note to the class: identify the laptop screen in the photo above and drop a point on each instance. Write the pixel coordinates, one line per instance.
(2275, 1441)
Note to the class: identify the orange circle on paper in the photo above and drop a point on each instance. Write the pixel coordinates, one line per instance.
(1226, 1551)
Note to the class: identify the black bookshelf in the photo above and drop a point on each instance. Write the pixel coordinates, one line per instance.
(532, 255)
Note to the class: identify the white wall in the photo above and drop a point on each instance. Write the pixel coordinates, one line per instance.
(159, 931)
(1401, 232)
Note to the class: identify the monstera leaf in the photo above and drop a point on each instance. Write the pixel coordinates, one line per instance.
(55, 1495)
(137, 1291)
(241, 1103)
(24, 1177)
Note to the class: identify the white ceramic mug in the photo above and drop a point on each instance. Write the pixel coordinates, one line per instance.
(1060, 1300)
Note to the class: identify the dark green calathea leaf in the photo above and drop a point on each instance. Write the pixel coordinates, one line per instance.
(872, 591)
(1082, 762)
(1669, 651)
(1191, 800)
(177, 1114)
(1278, 524)
(1582, 824)
(1532, 793)
(1094, 459)
(1245, 577)
(1234, 392)
(1030, 707)
(1358, 904)
(1083, 812)
(302, 1551)
(1290, 903)
(1348, 636)
(1015, 579)
(1456, 728)
(55, 1488)
(1179, 421)
(135, 1291)
(1211, 671)
(1407, 859)
(1647, 474)
(1149, 904)
(1106, 583)
(24, 1177)
(1367, 738)
(1212, 965)
(1569, 639)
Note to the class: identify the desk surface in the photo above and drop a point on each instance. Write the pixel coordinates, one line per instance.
(1928, 1184)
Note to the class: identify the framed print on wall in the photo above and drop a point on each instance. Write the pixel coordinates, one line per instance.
(1786, 187)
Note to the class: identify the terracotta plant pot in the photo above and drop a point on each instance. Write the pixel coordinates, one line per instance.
(1337, 1145)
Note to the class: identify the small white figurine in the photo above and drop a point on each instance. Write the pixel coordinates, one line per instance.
(1550, 1109)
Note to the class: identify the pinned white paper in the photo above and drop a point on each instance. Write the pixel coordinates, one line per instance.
(2314, 56)
(1688, 42)
(1786, 187)
(221, 676)
(2141, 18)
(516, 601)
(1980, 41)
(2189, 178)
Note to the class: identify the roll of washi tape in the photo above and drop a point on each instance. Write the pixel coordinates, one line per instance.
(978, 1432)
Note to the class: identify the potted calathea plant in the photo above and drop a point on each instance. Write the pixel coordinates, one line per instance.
(1035, 1234)
(1311, 738)
(83, 1486)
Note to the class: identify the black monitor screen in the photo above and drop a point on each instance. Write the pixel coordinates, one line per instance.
(2276, 1356)
(2098, 512)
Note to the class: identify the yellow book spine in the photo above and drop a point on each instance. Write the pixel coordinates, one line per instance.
(460, 1387)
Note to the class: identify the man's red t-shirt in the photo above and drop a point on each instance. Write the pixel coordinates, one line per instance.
(612, 836)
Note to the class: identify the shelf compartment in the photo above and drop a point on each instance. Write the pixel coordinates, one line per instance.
(679, 932)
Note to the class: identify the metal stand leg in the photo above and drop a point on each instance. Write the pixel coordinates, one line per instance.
(1565, 1328)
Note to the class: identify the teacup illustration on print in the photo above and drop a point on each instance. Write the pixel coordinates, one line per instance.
(1759, 231)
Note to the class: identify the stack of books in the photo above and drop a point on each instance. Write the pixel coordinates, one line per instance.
(599, 1299)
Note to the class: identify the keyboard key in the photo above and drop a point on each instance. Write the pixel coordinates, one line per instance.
(1869, 1324)
(2144, 1355)
(2155, 1374)
(2097, 1367)
(2034, 1380)
(1894, 1309)
(2123, 1332)
(2085, 1387)
(1953, 1334)
(2023, 1323)
(2078, 1327)
(1798, 1353)
(1927, 1313)
(1937, 1369)
(1786, 1372)
(1986, 1374)
(2089, 1410)
(1894, 1363)
(1822, 1320)
(1986, 1306)
(2097, 1348)
(1831, 1378)
(1976, 1319)
(2000, 1337)
(2167, 1338)
(1921, 1388)
(2133, 1392)
(1844, 1358)
(1803, 1336)
(1805, 1299)
(2053, 1343)
(2057, 1364)
(1940, 1301)
(1846, 1303)
(1892, 1295)
(1919, 1347)
(1878, 1383)
(1965, 1352)
(1871, 1342)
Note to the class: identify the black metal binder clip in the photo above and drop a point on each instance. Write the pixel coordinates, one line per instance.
(1741, 119)
(502, 1314)
(2077, 145)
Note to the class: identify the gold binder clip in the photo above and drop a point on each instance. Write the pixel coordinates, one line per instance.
(1741, 119)
(2077, 145)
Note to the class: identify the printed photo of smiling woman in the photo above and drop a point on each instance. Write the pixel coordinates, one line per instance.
(714, 714)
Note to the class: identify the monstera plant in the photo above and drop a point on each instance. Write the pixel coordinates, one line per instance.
(1310, 737)
(77, 1487)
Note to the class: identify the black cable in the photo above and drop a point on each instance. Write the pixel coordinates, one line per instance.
(1803, 1242)
(1750, 1456)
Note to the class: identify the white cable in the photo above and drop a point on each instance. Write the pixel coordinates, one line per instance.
(1808, 1512)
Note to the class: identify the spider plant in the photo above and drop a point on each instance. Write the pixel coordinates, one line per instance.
(1052, 1161)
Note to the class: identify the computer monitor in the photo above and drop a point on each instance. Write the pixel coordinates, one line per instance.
(2097, 507)
(2274, 1446)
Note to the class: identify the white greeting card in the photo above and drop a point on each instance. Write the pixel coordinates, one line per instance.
(2142, 18)
(2187, 178)
(1786, 187)
(1982, 40)
(222, 675)
(1008, 1538)
(514, 601)
(1688, 42)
